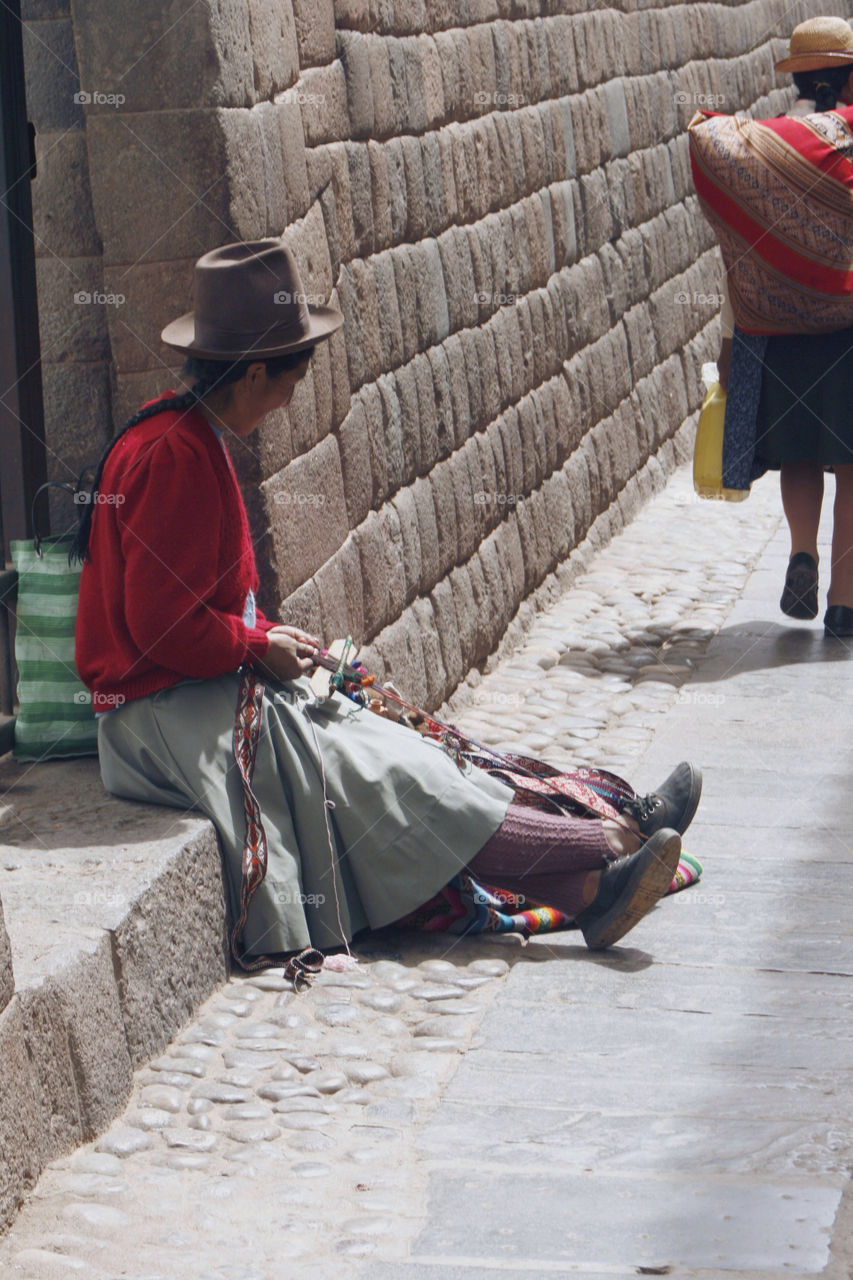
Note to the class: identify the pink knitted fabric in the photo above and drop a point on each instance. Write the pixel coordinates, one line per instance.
(544, 856)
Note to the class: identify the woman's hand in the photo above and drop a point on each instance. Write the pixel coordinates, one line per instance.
(290, 652)
(724, 360)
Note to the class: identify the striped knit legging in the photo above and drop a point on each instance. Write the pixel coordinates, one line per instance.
(546, 857)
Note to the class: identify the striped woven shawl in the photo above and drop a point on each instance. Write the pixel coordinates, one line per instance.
(779, 195)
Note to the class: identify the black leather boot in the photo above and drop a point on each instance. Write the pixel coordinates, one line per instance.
(628, 889)
(673, 804)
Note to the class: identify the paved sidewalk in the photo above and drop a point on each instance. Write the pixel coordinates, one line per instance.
(679, 1105)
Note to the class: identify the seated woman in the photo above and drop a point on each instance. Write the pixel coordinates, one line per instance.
(331, 819)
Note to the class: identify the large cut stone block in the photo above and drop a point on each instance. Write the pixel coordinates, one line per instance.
(63, 219)
(427, 533)
(275, 54)
(432, 81)
(321, 92)
(76, 1039)
(428, 448)
(397, 190)
(384, 118)
(339, 586)
(390, 322)
(170, 951)
(144, 56)
(394, 550)
(7, 973)
(401, 425)
(442, 400)
(354, 444)
(315, 31)
(352, 49)
(302, 609)
(161, 183)
(361, 197)
(407, 516)
(52, 84)
(380, 195)
(78, 416)
(307, 513)
(24, 1142)
(447, 627)
(374, 574)
(74, 310)
(148, 295)
(307, 240)
(436, 677)
(441, 483)
(402, 650)
(468, 622)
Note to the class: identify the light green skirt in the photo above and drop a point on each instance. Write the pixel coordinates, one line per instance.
(403, 819)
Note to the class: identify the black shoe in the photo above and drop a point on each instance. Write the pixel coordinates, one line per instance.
(799, 598)
(672, 805)
(628, 889)
(838, 622)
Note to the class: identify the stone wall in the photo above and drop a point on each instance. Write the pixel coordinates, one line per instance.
(497, 195)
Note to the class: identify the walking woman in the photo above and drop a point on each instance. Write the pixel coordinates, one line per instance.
(805, 421)
(331, 818)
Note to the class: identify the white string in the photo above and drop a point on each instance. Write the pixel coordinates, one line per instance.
(327, 805)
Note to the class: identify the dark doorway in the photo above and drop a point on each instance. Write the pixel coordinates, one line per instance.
(22, 449)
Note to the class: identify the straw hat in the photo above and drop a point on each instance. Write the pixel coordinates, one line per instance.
(249, 301)
(819, 43)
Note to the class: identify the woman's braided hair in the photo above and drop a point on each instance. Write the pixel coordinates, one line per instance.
(824, 85)
(209, 376)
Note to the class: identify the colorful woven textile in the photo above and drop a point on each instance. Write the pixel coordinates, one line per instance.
(779, 195)
(465, 906)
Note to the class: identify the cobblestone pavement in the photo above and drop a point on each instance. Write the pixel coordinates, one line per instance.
(600, 666)
(279, 1135)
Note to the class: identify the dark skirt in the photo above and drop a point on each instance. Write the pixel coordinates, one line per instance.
(806, 409)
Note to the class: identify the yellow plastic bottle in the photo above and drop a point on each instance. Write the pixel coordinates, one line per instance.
(708, 451)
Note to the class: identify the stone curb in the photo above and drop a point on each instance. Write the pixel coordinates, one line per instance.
(78, 1019)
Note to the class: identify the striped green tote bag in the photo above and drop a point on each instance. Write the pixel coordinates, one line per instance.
(55, 717)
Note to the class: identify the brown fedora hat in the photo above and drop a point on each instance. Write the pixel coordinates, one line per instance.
(249, 303)
(819, 43)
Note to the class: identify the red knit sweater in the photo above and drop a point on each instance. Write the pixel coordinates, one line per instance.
(171, 565)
